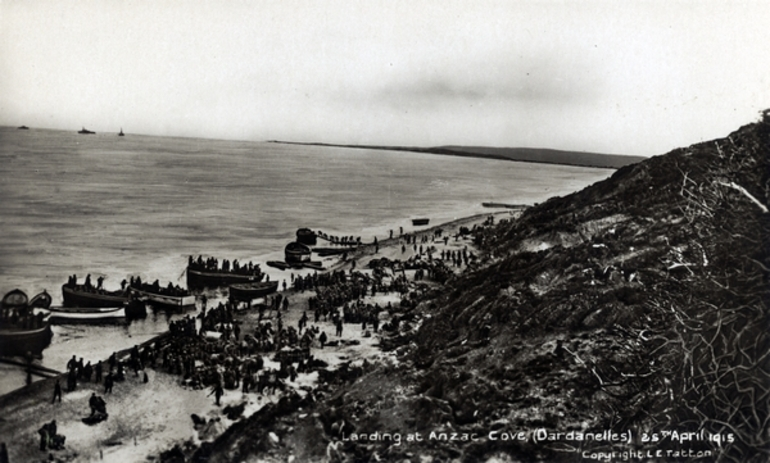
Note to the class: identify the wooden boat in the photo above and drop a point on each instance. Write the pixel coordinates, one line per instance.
(199, 279)
(79, 296)
(162, 299)
(315, 265)
(296, 253)
(281, 265)
(306, 236)
(324, 252)
(83, 131)
(40, 301)
(249, 291)
(421, 221)
(15, 341)
(97, 315)
(30, 334)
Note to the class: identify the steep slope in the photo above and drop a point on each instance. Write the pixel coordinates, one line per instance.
(630, 317)
(638, 303)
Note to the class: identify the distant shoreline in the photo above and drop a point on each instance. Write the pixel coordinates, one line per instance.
(535, 155)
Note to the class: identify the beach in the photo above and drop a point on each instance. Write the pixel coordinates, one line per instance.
(147, 418)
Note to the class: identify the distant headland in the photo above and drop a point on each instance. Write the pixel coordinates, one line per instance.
(540, 155)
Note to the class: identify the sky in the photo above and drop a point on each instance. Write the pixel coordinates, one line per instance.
(631, 77)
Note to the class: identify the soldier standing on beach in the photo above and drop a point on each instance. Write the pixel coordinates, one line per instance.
(56, 392)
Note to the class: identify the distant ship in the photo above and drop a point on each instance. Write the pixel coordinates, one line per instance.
(121, 134)
(83, 131)
(23, 127)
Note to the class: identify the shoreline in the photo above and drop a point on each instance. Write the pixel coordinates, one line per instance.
(125, 404)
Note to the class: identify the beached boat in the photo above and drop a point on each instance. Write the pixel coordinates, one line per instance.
(249, 291)
(24, 332)
(306, 236)
(418, 222)
(162, 298)
(315, 265)
(296, 253)
(325, 252)
(80, 296)
(198, 279)
(40, 301)
(85, 315)
(83, 131)
(279, 264)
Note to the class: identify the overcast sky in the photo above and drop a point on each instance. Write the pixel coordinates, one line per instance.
(626, 77)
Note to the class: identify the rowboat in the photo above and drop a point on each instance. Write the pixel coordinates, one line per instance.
(162, 299)
(79, 296)
(20, 341)
(73, 315)
(296, 252)
(278, 264)
(315, 265)
(249, 291)
(306, 236)
(25, 332)
(422, 221)
(199, 279)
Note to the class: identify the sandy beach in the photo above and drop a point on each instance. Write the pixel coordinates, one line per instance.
(146, 419)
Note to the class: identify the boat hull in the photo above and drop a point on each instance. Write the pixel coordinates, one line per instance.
(418, 222)
(75, 298)
(163, 301)
(60, 316)
(199, 279)
(247, 292)
(19, 342)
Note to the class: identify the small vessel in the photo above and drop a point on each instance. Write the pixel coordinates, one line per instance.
(83, 131)
(279, 264)
(78, 315)
(314, 264)
(121, 134)
(81, 296)
(247, 291)
(210, 278)
(306, 236)
(23, 127)
(163, 298)
(21, 331)
(295, 253)
(421, 221)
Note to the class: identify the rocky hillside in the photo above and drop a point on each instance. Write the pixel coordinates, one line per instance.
(638, 303)
(631, 316)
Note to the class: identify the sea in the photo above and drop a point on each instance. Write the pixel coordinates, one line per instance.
(139, 205)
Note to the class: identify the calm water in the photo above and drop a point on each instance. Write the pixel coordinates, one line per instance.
(139, 205)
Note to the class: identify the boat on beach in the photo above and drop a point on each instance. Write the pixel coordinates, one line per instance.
(162, 298)
(421, 221)
(306, 236)
(313, 264)
(81, 296)
(248, 291)
(296, 253)
(279, 264)
(86, 315)
(21, 331)
(199, 279)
